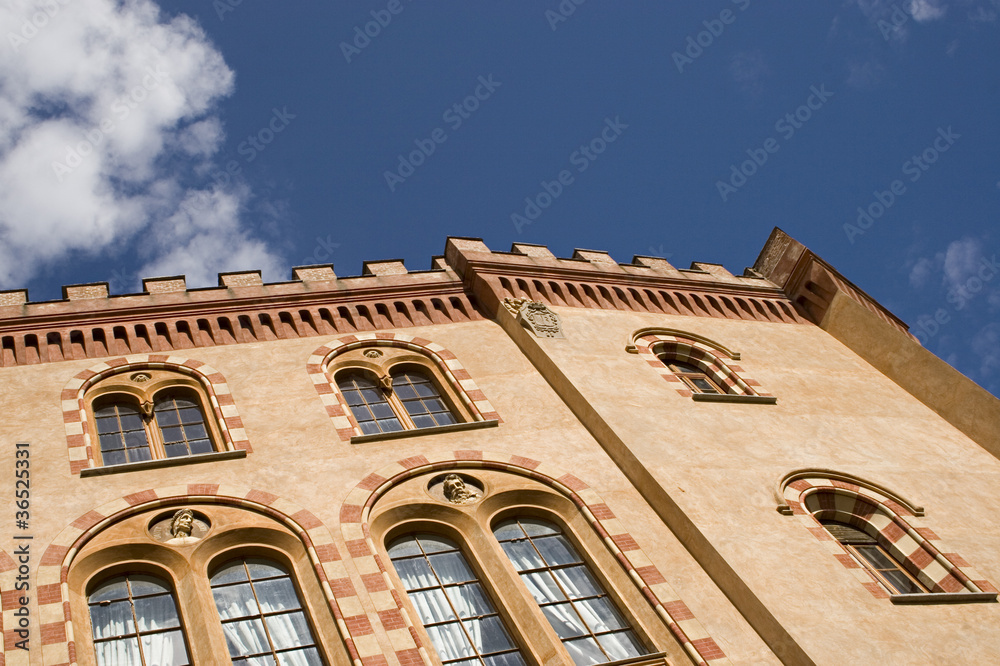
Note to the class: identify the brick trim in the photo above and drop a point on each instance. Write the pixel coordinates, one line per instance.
(224, 410)
(896, 528)
(711, 360)
(686, 629)
(57, 559)
(459, 380)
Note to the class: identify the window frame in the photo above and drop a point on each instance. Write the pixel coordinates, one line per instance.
(127, 546)
(470, 527)
(865, 563)
(689, 377)
(120, 388)
(381, 370)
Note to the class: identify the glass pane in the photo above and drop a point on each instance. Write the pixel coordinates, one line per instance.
(135, 439)
(424, 421)
(505, 659)
(432, 606)
(277, 595)
(425, 390)
(165, 649)
(107, 425)
(403, 390)
(450, 642)
(173, 435)
(368, 427)
(600, 615)
(138, 455)
(175, 450)
(578, 582)
(195, 431)
(112, 441)
(469, 600)
(403, 547)
(415, 573)
(304, 657)
(445, 418)
(113, 457)
(229, 573)
(289, 630)
(155, 613)
(876, 557)
(585, 651)
(190, 414)
(131, 422)
(542, 587)
(372, 396)
(105, 411)
(166, 417)
(564, 620)
(113, 589)
(352, 397)
(556, 550)
(488, 634)
(535, 527)
(508, 530)
(201, 446)
(902, 582)
(245, 637)
(263, 569)
(118, 653)
(451, 568)
(235, 601)
(621, 645)
(522, 555)
(435, 544)
(382, 410)
(145, 585)
(703, 385)
(113, 619)
(390, 425)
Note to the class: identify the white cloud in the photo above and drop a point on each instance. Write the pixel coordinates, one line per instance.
(97, 94)
(986, 344)
(962, 260)
(927, 10)
(924, 269)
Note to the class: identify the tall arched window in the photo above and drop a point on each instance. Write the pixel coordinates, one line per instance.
(459, 617)
(181, 424)
(369, 403)
(695, 378)
(121, 432)
(572, 600)
(135, 621)
(262, 615)
(421, 399)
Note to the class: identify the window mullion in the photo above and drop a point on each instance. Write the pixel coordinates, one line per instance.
(400, 409)
(135, 621)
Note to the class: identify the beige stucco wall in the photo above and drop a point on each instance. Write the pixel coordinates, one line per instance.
(717, 464)
(298, 456)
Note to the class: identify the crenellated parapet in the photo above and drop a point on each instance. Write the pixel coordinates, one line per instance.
(468, 283)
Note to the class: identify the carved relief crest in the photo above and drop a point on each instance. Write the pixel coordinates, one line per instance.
(456, 488)
(179, 528)
(536, 317)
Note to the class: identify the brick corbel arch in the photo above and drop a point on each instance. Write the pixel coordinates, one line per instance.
(81, 452)
(459, 380)
(354, 513)
(52, 589)
(840, 496)
(710, 356)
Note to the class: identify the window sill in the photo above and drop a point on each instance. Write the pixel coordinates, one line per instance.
(162, 462)
(435, 430)
(943, 598)
(729, 397)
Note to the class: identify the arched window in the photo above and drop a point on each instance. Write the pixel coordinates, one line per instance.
(262, 615)
(867, 551)
(242, 586)
(453, 607)
(134, 620)
(391, 390)
(150, 415)
(497, 569)
(572, 600)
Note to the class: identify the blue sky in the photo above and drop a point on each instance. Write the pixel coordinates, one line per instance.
(686, 130)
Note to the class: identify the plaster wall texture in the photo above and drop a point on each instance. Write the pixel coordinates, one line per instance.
(719, 464)
(298, 456)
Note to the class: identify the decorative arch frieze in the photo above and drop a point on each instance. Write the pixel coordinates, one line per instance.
(57, 629)
(710, 356)
(459, 380)
(357, 507)
(78, 437)
(895, 522)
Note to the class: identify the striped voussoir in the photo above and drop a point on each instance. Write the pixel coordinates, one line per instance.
(900, 532)
(456, 375)
(56, 623)
(81, 451)
(710, 361)
(688, 631)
